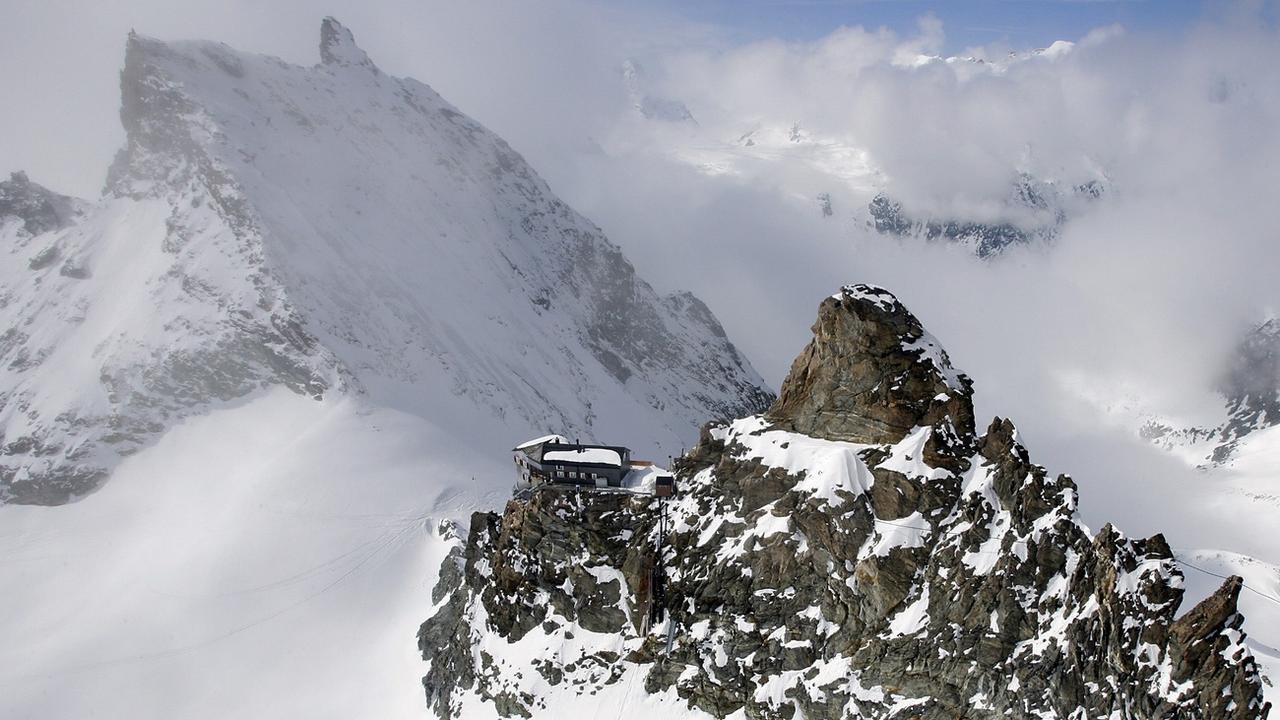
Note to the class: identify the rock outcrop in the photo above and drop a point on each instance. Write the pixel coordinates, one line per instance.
(857, 550)
(871, 375)
(40, 209)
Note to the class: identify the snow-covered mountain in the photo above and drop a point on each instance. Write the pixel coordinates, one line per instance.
(847, 185)
(649, 106)
(1034, 212)
(1250, 389)
(329, 229)
(861, 549)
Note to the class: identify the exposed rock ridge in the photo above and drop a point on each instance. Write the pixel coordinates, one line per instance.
(867, 571)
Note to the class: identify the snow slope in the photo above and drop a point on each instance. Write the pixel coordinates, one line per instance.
(269, 560)
(331, 229)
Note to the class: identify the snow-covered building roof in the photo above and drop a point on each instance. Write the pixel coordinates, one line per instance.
(594, 455)
(558, 439)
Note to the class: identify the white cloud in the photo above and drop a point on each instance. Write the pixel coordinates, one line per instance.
(1147, 290)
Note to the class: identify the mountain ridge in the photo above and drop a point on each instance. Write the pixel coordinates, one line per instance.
(879, 560)
(333, 229)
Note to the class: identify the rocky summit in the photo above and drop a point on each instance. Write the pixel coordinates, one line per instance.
(858, 550)
(871, 375)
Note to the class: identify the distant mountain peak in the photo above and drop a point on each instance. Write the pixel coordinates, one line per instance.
(1250, 389)
(1252, 386)
(1034, 211)
(338, 46)
(331, 231)
(650, 106)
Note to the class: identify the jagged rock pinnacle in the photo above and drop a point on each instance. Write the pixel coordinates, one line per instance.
(338, 46)
(871, 374)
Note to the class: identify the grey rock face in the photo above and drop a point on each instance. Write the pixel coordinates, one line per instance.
(871, 374)
(860, 576)
(40, 209)
(338, 46)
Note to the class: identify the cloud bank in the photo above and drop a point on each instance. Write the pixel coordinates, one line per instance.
(1135, 306)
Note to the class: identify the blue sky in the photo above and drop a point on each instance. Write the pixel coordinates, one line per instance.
(1019, 23)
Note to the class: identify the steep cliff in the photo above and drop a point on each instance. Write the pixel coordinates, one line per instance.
(857, 550)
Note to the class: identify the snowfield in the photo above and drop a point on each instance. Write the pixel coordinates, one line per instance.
(268, 560)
